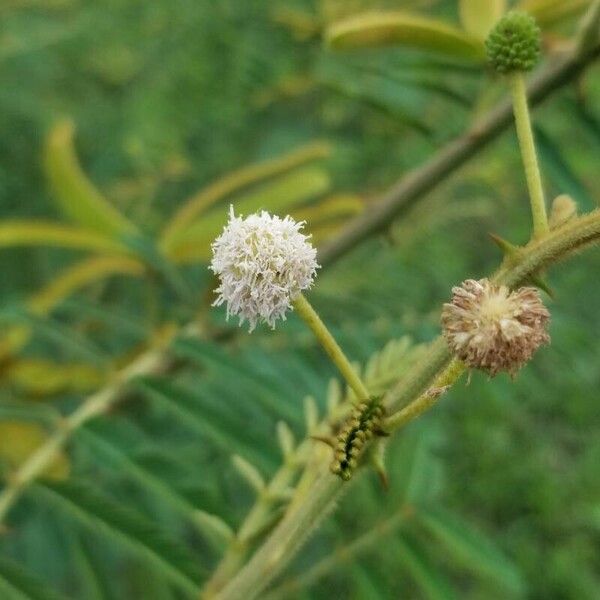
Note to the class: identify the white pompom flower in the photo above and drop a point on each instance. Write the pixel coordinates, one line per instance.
(263, 263)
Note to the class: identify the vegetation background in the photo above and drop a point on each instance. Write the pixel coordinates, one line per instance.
(494, 494)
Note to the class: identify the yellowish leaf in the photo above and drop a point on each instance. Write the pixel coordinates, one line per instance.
(302, 24)
(279, 197)
(13, 339)
(236, 181)
(19, 439)
(479, 16)
(551, 12)
(46, 233)
(333, 209)
(37, 377)
(324, 232)
(384, 28)
(75, 194)
(79, 275)
(288, 87)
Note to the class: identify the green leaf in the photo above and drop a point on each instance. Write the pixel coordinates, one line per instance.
(471, 548)
(560, 171)
(81, 274)
(216, 532)
(415, 473)
(479, 16)
(427, 576)
(384, 28)
(225, 431)
(68, 339)
(92, 584)
(211, 355)
(366, 584)
(74, 193)
(19, 584)
(125, 527)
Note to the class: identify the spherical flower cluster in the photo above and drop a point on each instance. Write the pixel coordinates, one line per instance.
(263, 263)
(493, 329)
(514, 43)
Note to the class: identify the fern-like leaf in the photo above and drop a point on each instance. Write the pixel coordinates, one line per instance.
(16, 583)
(126, 527)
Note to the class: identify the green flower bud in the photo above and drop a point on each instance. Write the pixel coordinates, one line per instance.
(514, 43)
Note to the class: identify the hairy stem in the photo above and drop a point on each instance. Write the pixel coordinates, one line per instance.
(300, 520)
(260, 515)
(426, 400)
(528, 153)
(312, 319)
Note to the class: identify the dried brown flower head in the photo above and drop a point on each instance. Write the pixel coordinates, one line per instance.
(493, 329)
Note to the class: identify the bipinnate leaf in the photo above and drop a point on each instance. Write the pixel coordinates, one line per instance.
(560, 169)
(64, 284)
(471, 548)
(426, 575)
(126, 527)
(76, 196)
(17, 583)
(216, 531)
(214, 527)
(209, 422)
(385, 28)
(81, 274)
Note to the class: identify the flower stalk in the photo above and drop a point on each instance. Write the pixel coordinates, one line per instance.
(528, 153)
(331, 347)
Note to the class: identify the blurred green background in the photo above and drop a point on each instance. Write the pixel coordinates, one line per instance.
(497, 489)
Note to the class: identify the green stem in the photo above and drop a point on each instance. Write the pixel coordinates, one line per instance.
(528, 153)
(426, 400)
(257, 518)
(303, 516)
(312, 319)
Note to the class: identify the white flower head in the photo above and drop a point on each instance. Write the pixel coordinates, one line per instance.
(263, 263)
